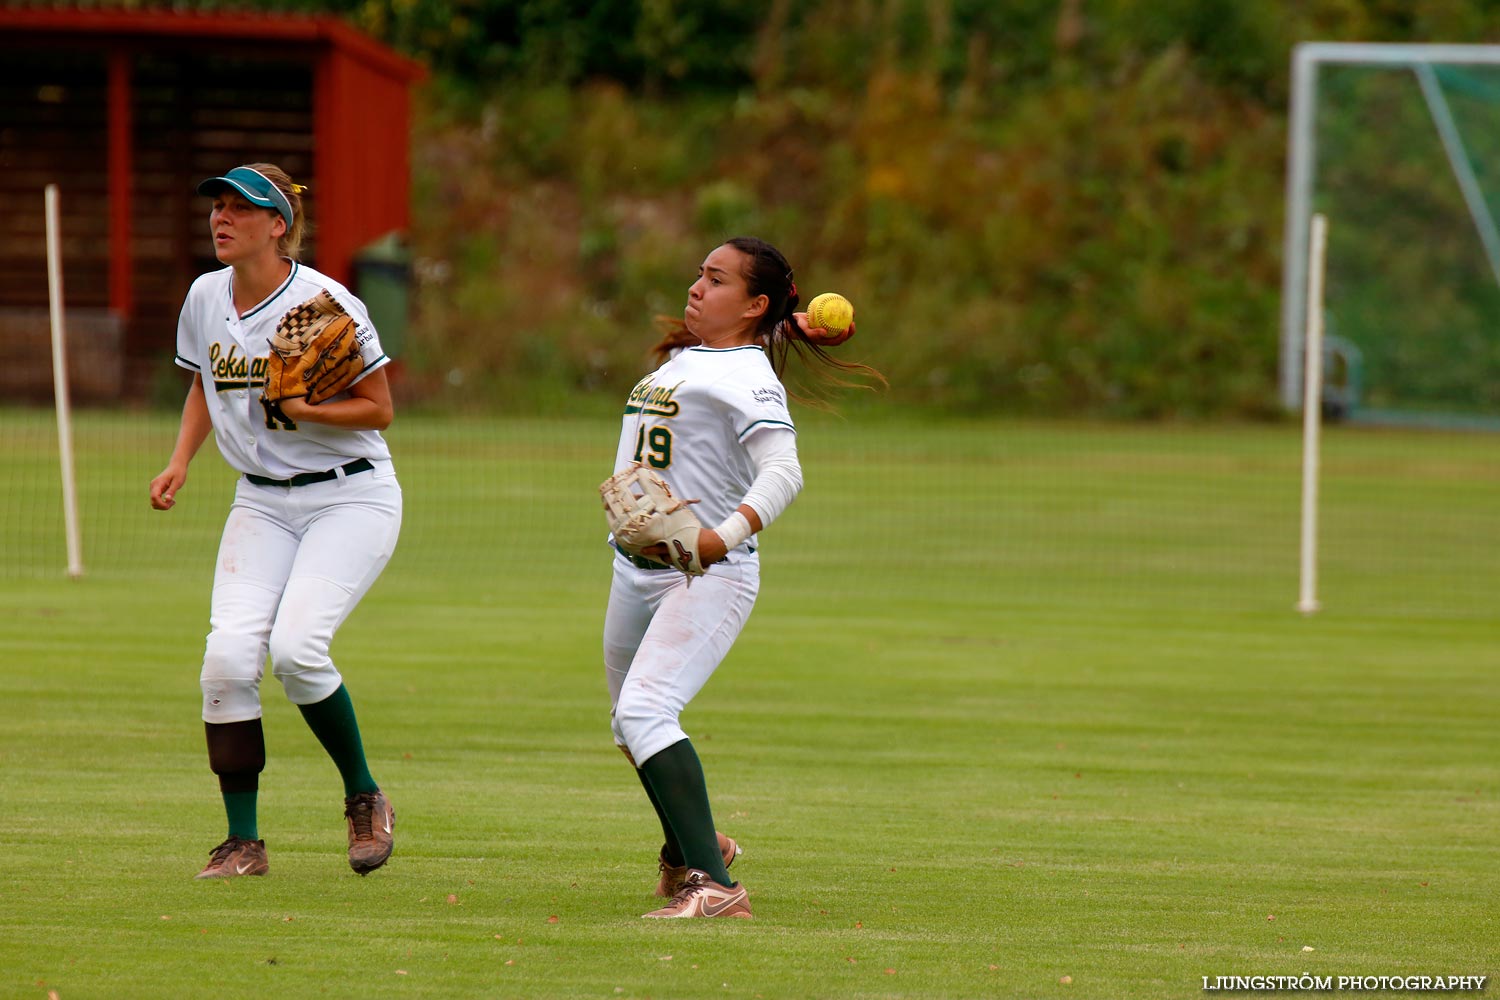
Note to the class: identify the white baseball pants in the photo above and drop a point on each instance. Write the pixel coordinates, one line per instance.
(663, 639)
(293, 562)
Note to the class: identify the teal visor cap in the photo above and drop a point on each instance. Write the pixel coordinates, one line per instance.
(256, 188)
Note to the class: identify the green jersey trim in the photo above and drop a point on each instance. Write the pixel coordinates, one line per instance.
(766, 423)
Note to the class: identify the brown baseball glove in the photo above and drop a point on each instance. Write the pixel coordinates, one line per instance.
(314, 353)
(642, 511)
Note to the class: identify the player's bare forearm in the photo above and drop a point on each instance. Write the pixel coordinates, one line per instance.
(752, 517)
(353, 414)
(368, 408)
(196, 424)
(711, 547)
(195, 428)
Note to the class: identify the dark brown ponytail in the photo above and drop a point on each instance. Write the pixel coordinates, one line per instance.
(766, 272)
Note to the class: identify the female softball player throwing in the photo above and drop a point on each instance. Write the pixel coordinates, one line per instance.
(713, 421)
(315, 515)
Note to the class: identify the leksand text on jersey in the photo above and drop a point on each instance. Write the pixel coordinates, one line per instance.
(232, 369)
(655, 400)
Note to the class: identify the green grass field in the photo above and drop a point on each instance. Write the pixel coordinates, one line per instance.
(1025, 711)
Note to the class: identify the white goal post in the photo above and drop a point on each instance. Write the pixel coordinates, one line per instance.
(1307, 59)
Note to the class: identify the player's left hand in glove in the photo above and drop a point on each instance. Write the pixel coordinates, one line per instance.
(643, 513)
(314, 353)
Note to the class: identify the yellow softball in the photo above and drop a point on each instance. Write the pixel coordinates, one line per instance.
(831, 311)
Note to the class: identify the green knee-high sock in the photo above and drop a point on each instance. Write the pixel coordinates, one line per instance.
(676, 777)
(332, 722)
(671, 851)
(240, 808)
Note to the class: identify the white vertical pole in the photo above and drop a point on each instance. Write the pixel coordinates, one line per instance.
(60, 386)
(1312, 415)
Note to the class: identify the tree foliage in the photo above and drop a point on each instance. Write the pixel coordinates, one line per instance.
(1061, 206)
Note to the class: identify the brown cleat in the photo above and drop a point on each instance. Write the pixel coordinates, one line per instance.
(672, 876)
(701, 896)
(236, 857)
(371, 819)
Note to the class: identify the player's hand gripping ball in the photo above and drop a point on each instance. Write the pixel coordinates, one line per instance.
(832, 314)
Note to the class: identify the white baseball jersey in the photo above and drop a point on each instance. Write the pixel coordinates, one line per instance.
(689, 420)
(663, 639)
(230, 351)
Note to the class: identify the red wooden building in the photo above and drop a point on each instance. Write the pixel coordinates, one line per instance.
(126, 110)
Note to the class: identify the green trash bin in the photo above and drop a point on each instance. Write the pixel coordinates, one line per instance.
(382, 280)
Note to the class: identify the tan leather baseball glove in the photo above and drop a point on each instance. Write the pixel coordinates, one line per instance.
(642, 511)
(314, 353)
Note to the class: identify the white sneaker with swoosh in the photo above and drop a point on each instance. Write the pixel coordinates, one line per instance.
(701, 896)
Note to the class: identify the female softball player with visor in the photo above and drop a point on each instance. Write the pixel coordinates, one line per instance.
(315, 516)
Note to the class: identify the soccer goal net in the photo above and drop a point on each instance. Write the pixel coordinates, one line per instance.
(1399, 147)
(1395, 150)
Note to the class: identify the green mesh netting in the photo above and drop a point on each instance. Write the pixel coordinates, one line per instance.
(1412, 299)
